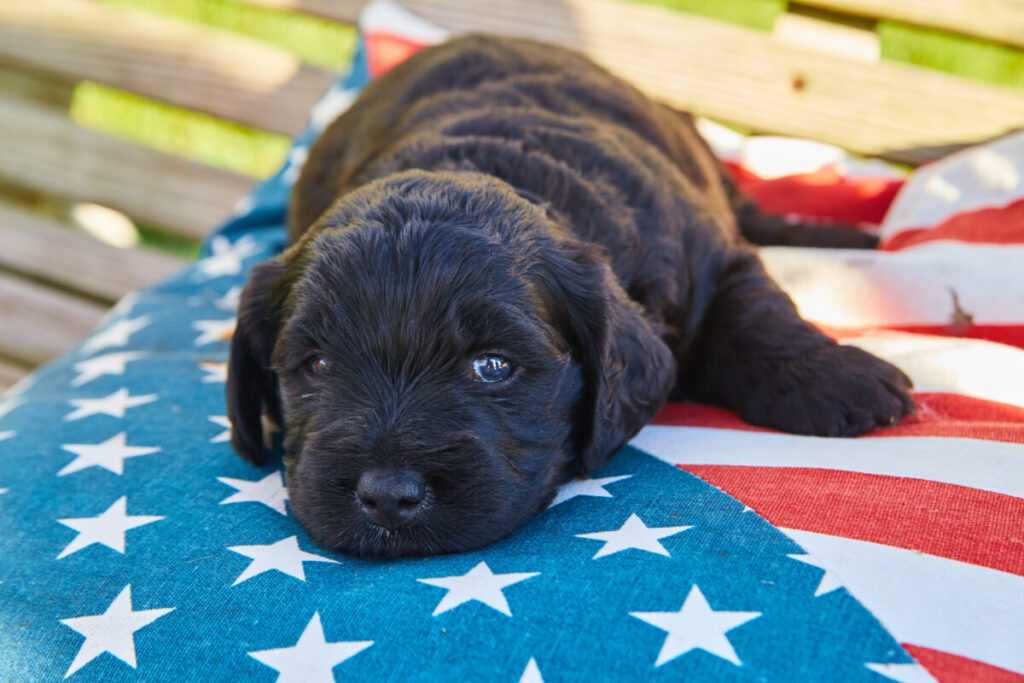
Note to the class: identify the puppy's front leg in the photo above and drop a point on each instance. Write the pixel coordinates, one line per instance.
(755, 355)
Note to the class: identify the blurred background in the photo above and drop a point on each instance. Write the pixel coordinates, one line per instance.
(130, 128)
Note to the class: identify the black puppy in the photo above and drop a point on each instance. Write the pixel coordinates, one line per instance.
(504, 260)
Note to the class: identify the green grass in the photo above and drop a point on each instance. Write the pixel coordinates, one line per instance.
(179, 131)
(317, 41)
(176, 245)
(759, 14)
(960, 55)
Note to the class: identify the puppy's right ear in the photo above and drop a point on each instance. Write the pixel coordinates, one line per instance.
(628, 371)
(252, 384)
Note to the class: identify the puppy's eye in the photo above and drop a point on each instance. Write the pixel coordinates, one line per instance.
(318, 365)
(492, 368)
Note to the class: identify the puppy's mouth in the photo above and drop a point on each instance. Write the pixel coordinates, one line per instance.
(438, 530)
(388, 543)
(420, 538)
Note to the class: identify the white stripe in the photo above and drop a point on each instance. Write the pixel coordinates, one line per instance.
(970, 367)
(853, 288)
(990, 175)
(387, 16)
(986, 465)
(934, 602)
(904, 673)
(769, 156)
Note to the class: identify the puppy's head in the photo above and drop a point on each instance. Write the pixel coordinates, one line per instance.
(443, 357)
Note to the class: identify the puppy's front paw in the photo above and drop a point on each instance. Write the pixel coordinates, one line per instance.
(833, 391)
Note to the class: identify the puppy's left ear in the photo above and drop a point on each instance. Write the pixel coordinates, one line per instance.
(628, 371)
(252, 384)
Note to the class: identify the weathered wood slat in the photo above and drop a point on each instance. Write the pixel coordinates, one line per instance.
(45, 151)
(999, 20)
(824, 35)
(38, 86)
(740, 75)
(344, 11)
(46, 250)
(10, 374)
(41, 323)
(184, 64)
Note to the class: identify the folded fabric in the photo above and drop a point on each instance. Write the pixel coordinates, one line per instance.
(921, 521)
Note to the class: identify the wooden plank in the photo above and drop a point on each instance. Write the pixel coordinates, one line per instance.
(60, 255)
(821, 34)
(999, 20)
(916, 156)
(10, 374)
(46, 152)
(38, 86)
(343, 11)
(185, 64)
(742, 76)
(41, 323)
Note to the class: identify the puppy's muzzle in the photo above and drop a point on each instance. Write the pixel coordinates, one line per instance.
(391, 498)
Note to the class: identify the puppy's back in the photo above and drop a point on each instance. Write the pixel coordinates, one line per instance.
(504, 77)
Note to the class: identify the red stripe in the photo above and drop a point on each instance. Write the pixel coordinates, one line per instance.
(995, 225)
(699, 415)
(939, 414)
(947, 520)
(947, 668)
(1012, 334)
(824, 194)
(385, 51)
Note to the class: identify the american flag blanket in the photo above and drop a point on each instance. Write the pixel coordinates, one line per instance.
(134, 545)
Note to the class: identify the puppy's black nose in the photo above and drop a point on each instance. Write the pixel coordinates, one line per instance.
(391, 498)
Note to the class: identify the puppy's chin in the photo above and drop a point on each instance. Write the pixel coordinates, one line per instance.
(345, 531)
(333, 518)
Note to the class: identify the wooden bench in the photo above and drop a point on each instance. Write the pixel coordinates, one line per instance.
(816, 74)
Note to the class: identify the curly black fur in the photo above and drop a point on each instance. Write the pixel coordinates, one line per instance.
(504, 196)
